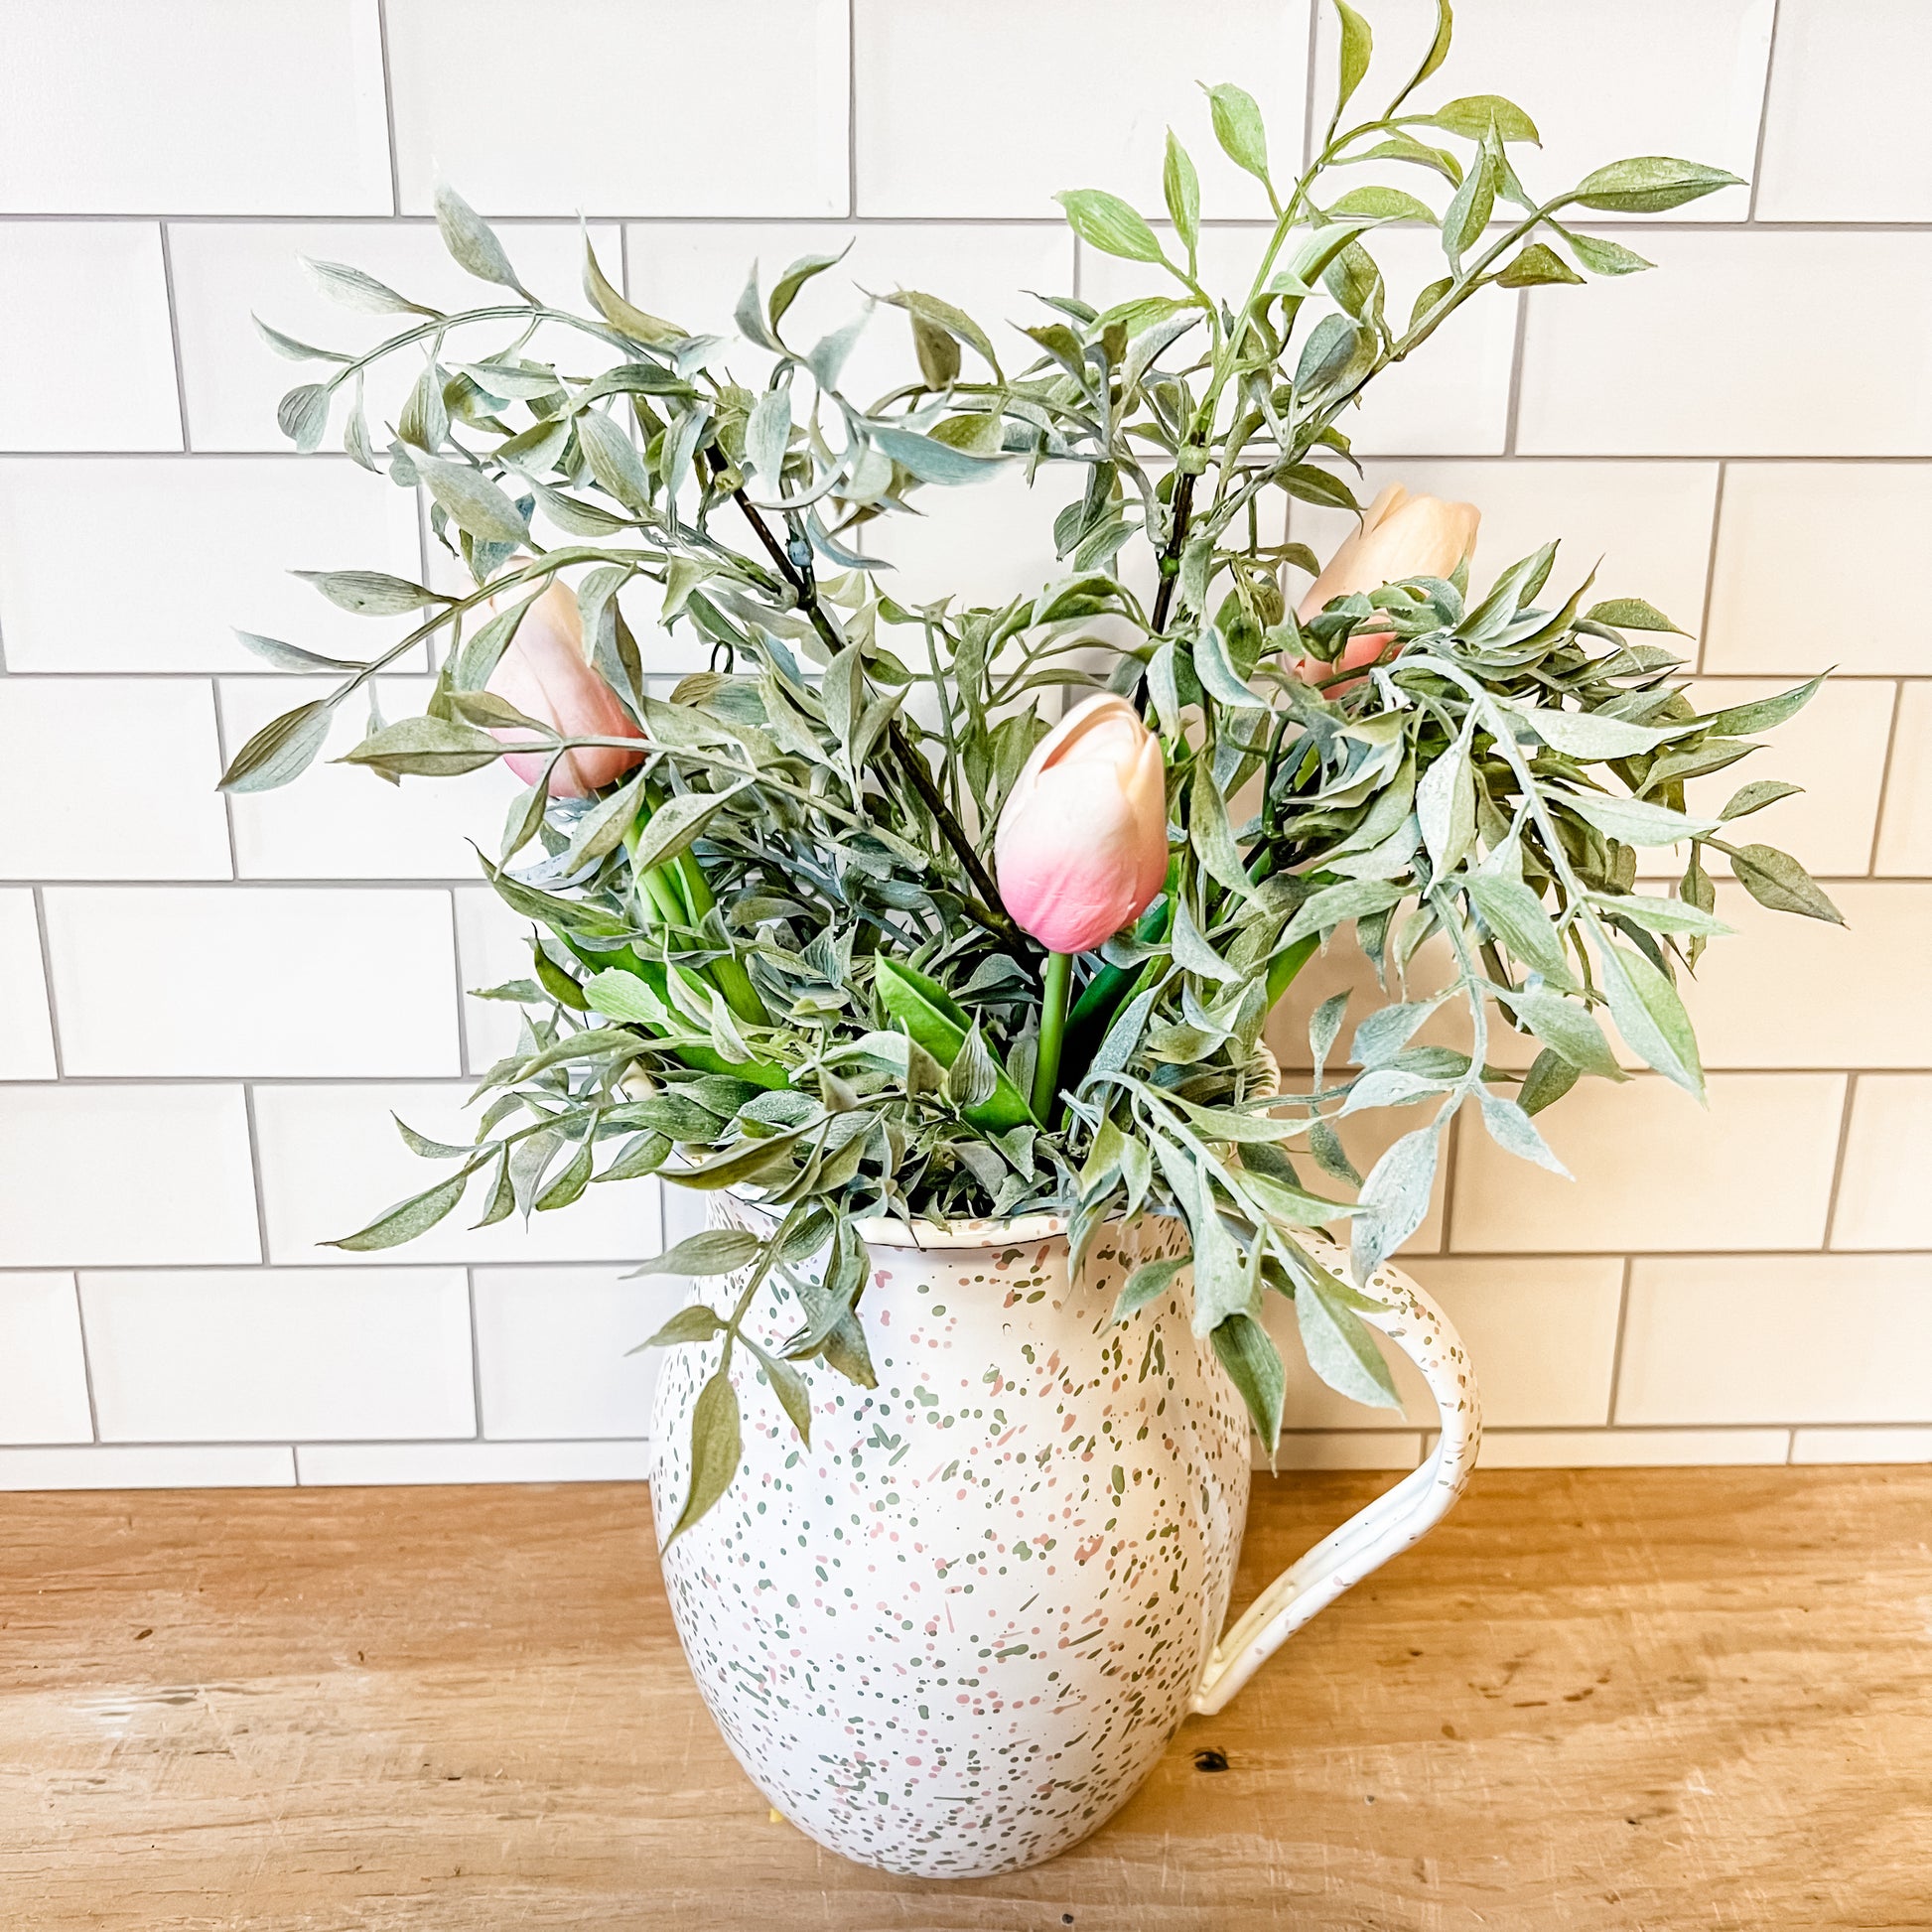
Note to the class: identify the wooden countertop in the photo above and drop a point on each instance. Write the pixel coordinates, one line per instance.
(1640, 1700)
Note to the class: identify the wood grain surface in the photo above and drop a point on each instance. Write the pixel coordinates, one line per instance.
(1640, 1700)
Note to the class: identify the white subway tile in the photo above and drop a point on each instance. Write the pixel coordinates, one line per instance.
(1844, 123)
(1655, 1171)
(147, 807)
(331, 1161)
(117, 1466)
(253, 982)
(1714, 353)
(1631, 1448)
(553, 1349)
(233, 1355)
(26, 1028)
(114, 1175)
(1835, 747)
(83, 305)
(493, 945)
(934, 138)
(1356, 1448)
(1845, 528)
(1542, 1334)
(1883, 1199)
(342, 821)
(1663, 77)
(693, 273)
(360, 1464)
(1766, 1338)
(199, 544)
(42, 1365)
(1786, 992)
(115, 107)
(981, 543)
(1862, 1445)
(647, 130)
(226, 272)
(1906, 830)
(1648, 522)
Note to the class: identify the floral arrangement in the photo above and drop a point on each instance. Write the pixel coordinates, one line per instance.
(849, 921)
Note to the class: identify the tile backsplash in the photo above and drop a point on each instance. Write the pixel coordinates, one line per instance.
(197, 1060)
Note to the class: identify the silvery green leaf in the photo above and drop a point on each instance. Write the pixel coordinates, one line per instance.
(1650, 1016)
(686, 433)
(1330, 1154)
(716, 1444)
(715, 1251)
(1658, 915)
(484, 648)
(750, 316)
(282, 750)
(1381, 204)
(292, 657)
(974, 1075)
(1238, 128)
(1754, 796)
(1550, 1078)
(423, 420)
(1224, 1283)
(513, 382)
(573, 515)
(370, 592)
(618, 995)
(1568, 1028)
(1385, 1033)
(1340, 1346)
(1474, 114)
(1534, 266)
(354, 289)
(1394, 1199)
(303, 415)
(603, 827)
(1122, 1039)
(1105, 222)
(944, 314)
(1180, 188)
(1631, 613)
(1219, 677)
(1777, 880)
(1357, 46)
(355, 435)
(1214, 837)
(473, 501)
(620, 313)
(1324, 1024)
(614, 459)
(293, 350)
(1445, 809)
(1604, 257)
(929, 461)
(1636, 821)
(785, 290)
(694, 1324)
(426, 746)
(827, 356)
(1254, 1365)
(1388, 1086)
(1149, 1280)
(767, 432)
(472, 242)
(1651, 182)
(1513, 1131)
(1437, 53)
(407, 1219)
(1192, 952)
(1519, 921)
(1337, 349)
(1760, 714)
(675, 823)
(1468, 211)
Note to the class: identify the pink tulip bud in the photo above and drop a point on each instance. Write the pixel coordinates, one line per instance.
(1401, 536)
(1082, 845)
(547, 676)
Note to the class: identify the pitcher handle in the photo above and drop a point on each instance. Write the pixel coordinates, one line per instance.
(1391, 1523)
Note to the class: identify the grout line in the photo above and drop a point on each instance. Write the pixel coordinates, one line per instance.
(462, 999)
(389, 106)
(226, 797)
(1884, 777)
(851, 108)
(255, 1169)
(1763, 113)
(1838, 1164)
(1790, 1448)
(46, 984)
(174, 340)
(1616, 1347)
(1451, 1158)
(623, 261)
(476, 1351)
(87, 1354)
(1308, 89)
(1516, 371)
(1711, 566)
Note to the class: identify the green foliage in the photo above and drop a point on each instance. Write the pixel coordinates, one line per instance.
(770, 956)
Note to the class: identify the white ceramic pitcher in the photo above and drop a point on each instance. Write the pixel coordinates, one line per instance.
(952, 1636)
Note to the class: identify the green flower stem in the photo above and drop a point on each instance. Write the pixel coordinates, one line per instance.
(734, 982)
(1108, 991)
(1055, 982)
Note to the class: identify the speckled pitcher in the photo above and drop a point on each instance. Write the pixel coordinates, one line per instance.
(952, 1636)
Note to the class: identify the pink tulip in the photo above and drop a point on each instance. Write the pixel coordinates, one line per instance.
(1400, 536)
(547, 676)
(1082, 845)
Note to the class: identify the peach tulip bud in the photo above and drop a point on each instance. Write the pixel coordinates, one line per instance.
(547, 676)
(1400, 536)
(1082, 845)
